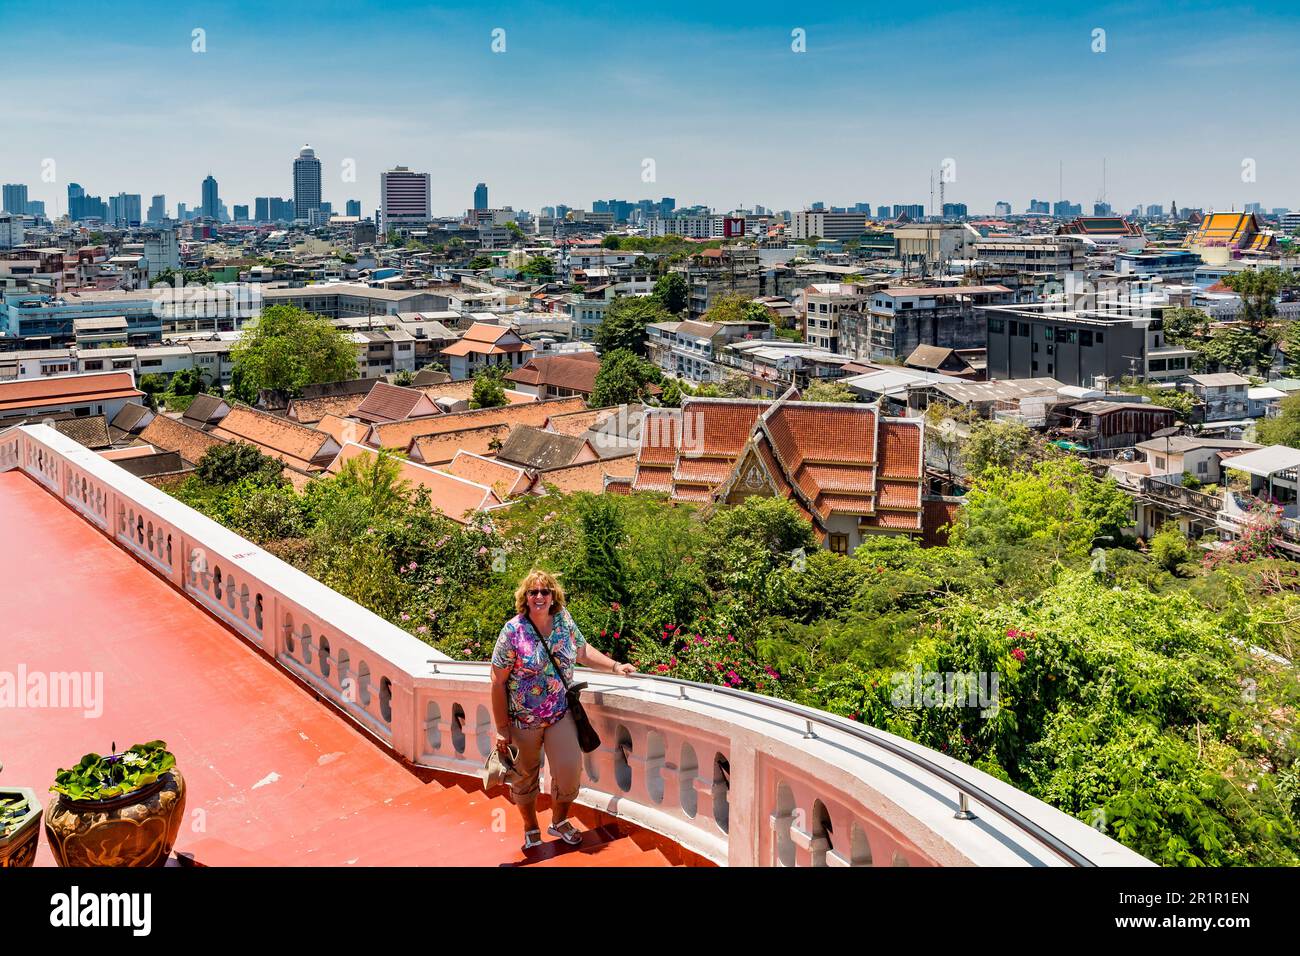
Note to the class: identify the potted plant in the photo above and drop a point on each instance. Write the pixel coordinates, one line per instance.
(120, 810)
(20, 826)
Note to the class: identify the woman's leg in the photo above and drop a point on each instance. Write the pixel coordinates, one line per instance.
(524, 785)
(564, 757)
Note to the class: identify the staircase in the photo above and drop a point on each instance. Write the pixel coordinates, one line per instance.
(443, 823)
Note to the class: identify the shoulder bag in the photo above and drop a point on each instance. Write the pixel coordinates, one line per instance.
(588, 739)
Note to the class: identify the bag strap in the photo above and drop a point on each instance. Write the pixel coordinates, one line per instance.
(546, 647)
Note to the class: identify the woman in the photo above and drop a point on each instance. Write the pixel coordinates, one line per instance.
(529, 706)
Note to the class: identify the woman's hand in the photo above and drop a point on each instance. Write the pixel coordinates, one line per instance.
(624, 669)
(503, 744)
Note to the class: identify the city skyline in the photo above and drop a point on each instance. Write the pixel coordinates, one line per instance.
(719, 134)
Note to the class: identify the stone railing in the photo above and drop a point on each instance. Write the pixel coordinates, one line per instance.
(738, 778)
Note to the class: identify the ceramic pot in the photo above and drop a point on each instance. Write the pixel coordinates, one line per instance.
(135, 829)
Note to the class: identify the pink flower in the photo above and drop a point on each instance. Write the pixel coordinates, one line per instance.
(732, 675)
(615, 606)
(421, 629)
(438, 580)
(662, 668)
(616, 635)
(1018, 654)
(673, 662)
(1012, 632)
(406, 617)
(414, 565)
(483, 549)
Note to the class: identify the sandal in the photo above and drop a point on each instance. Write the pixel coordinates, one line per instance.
(566, 831)
(532, 840)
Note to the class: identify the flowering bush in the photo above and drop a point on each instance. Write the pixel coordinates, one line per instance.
(708, 659)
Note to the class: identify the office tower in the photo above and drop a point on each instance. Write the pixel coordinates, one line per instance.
(354, 208)
(158, 209)
(1002, 209)
(326, 210)
(1039, 207)
(282, 210)
(15, 198)
(36, 207)
(1100, 208)
(480, 196)
(666, 207)
(211, 202)
(882, 212)
(262, 209)
(306, 183)
(954, 210)
(182, 211)
(124, 209)
(241, 214)
(910, 210)
(404, 198)
(74, 192)
(1156, 211)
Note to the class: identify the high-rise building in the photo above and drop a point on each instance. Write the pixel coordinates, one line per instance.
(480, 196)
(912, 211)
(262, 209)
(211, 201)
(158, 209)
(354, 208)
(1156, 211)
(1039, 207)
(182, 211)
(1100, 208)
(124, 209)
(404, 198)
(15, 198)
(36, 207)
(283, 210)
(74, 192)
(306, 183)
(162, 251)
(11, 230)
(882, 212)
(954, 210)
(1002, 208)
(241, 214)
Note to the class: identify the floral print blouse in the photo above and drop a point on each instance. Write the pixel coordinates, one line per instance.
(534, 695)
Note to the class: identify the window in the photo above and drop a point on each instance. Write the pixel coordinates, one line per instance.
(1099, 338)
(1024, 328)
(1035, 348)
(1202, 467)
(997, 326)
(1160, 462)
(1048, 332)
(1049, 368)
(95, 365)
(1085, 338)
(1035, 366)
(840, 543)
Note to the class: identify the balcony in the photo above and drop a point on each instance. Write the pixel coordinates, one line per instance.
(721, 776)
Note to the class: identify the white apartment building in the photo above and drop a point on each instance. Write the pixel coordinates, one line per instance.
(821, 304)
(828, 225)
(1035, 255)
(11, 230)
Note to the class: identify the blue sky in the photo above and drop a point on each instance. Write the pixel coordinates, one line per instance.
(712, 92)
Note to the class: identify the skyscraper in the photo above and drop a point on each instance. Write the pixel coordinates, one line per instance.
(15, 198)
(404, 198)
(241, 214)
(354, 208)
(262, 209)
(306, 183)
(124, 209)
(480, 196)
(211, 202)
(158, 209)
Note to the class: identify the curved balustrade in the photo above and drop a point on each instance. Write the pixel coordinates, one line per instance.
(735, 777)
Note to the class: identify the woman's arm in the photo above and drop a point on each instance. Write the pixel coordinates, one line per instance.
(593, 658)
(500, 709)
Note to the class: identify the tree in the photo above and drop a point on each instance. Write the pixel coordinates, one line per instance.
(539, 267)
(828, 392)
(288, 348)
(481, 262)
(671, 396)
(403, 377)
(1285, 428)
(625, 323)
(234, 462)
(1184, 326)
(623, 377)
(730, 308)
(1253, 342)
(600, 569)
(376, 480)
(489, 387)
(515, 231)
(672, 293)
(1239, 347)
(1183, 403)
(992, 444)
(611, 241)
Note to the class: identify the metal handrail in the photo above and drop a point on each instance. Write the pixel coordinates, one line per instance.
(810, 715)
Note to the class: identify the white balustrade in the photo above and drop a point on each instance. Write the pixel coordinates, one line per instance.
(736, 778)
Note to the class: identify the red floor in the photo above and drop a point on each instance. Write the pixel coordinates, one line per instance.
(273, 776)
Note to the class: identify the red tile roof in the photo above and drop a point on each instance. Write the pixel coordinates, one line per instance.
(66, 389)
(455, 497)
(576, 373)
(296, 445)
(393, 403)
(400, 434)
(829, 458)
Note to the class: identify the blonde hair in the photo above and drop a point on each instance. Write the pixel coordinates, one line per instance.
(537, 578)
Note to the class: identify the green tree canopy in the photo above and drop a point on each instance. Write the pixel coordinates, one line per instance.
(623, 377)
(1285, 428)
(289, 348)
(671, 292)
(828, 392)
(239, 461)
(624, 325)
(539, 267)
(489, 387)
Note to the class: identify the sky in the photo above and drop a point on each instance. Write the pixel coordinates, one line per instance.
(1190, 103)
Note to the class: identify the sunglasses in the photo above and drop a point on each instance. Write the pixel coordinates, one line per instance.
(540, 592)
